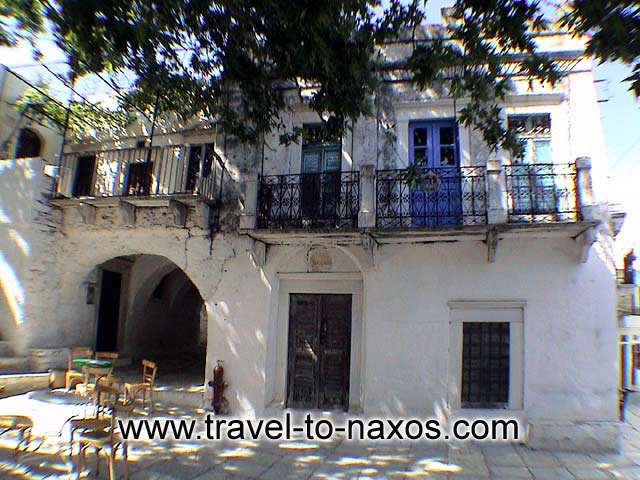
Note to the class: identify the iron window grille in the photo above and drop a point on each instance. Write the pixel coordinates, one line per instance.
(485, 364)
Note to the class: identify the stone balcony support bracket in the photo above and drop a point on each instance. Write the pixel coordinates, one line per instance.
(367, 212)
(128, 212)
(249, 217)
(180, 212)
(496, 193)
(88, 213)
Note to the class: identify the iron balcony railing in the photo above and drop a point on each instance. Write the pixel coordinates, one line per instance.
(145, 171)
(444, 196)
(542, 193)
(309, 200)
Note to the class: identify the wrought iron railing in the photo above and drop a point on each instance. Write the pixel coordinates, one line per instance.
(309, 200)
(542, 193)
(145, 171)
(445, 196)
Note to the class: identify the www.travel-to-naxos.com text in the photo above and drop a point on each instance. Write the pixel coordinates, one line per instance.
(313, 428)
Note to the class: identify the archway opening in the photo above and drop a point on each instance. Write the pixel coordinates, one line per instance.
(148, 308)
(29, 144)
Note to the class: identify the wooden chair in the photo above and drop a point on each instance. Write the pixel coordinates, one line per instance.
(113, 356)
(132, 390)
(23, 425)
(73, 376)
(92, 377)
(104, 439)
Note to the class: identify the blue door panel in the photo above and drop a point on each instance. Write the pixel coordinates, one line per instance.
(433, 147)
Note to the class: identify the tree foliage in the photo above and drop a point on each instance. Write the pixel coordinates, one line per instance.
(236, 60)
(81, 119)
(19, 19)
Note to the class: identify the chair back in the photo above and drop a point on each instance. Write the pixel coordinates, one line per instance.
(107, 356)
(149, 370)
(78, 352)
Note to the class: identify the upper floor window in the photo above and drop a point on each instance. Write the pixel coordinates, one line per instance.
(534, 134)
(433, 144)
(200, 164)
(320, 152)
(29, 144)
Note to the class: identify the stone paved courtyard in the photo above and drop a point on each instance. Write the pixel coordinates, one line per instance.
(324, 460)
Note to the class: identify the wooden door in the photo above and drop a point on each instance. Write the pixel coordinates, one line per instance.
(83, 181)
(109, 311)
(319, 351)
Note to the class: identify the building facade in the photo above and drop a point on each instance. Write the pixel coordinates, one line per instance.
(327, 277)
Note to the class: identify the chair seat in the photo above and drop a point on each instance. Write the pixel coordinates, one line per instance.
(100, 439)
(90, 423)
(136, 386)
(15, 421)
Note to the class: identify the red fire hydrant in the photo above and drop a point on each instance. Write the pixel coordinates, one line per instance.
(219, 386)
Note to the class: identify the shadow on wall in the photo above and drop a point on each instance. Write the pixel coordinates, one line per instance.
(22, 237)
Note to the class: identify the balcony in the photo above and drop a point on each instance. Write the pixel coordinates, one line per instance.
(446, 197)
(484, 203)
(309, 201)
(542, 193)
(139, 172)
(175, 176)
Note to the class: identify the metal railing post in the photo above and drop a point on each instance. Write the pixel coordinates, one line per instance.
(584, 189)
(248, 216)
(496, 192)
(367, 212)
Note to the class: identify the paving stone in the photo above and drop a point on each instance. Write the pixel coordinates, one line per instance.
(575, 459)
(179, 468)
(512, 459)
(534, 458)
(590, 473)
(627, 473)
(510, 472)
(285, 471)
(551, 473)
(220, 475)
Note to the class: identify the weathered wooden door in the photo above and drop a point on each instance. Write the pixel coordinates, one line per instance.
(319, 351)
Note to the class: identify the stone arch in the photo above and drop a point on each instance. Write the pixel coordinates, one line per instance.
(29, 143)
(167, 329)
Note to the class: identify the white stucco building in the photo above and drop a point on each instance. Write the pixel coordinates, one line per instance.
(328, 280)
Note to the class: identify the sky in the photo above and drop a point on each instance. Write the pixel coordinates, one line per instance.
(619, 111)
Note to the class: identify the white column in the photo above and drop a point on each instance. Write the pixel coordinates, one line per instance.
(248, 217)
(367, 213)
(496, 192)
(584, 189)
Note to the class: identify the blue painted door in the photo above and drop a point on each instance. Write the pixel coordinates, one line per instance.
(433, 148)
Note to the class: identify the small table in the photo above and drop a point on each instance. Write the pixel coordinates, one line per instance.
(92, 362)
(96, 367)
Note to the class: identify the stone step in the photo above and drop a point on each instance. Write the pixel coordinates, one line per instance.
(14, 364)
(18, 383)
(6, 349)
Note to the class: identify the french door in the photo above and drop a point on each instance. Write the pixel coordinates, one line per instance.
(320, 184)
(433, 150)
(319, 351)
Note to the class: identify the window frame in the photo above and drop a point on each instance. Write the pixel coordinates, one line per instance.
(487, 311)
(530, 138)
